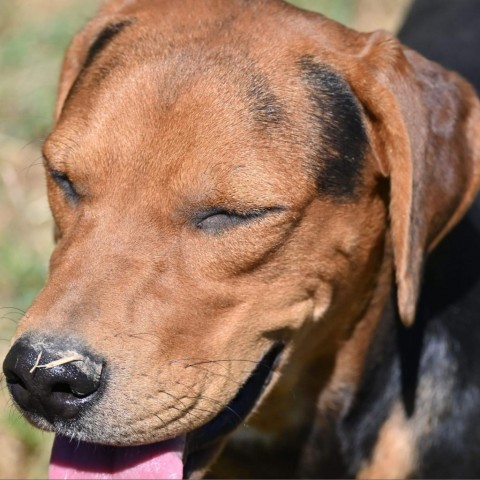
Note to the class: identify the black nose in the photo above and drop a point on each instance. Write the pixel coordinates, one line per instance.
(51, 378)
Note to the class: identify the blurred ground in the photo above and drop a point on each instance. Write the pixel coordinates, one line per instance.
(33, 36)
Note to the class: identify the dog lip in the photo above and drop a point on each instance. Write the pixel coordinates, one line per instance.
(202, 443)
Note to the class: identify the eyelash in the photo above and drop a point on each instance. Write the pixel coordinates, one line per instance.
(218, 220)
(66, 185)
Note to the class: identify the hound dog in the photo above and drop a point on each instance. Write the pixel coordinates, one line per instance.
(249, 278)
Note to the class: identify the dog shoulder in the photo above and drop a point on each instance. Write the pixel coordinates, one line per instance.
(420, 391)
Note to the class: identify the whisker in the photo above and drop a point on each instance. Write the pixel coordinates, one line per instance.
(141, 335)
(223, 375)
(14, 308)
(6, 317)
(33, 141)
(186, 410)
(213, 400)
(164, 425)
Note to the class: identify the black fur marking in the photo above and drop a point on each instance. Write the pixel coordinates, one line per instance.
(340, 138)
(263, 103)
(432, 369)
(103, 39)
(379, 388)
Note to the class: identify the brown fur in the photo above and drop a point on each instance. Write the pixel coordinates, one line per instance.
(158, 127)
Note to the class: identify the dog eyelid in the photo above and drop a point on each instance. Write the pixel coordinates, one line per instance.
(64, 182)
(218, 220)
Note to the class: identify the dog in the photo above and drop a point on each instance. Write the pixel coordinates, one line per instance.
(252, 275)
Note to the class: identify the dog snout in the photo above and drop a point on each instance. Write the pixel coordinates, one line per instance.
(51, 379)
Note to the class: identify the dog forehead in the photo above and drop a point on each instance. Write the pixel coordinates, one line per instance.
(179, 95)
(195, 136)
(180, 105)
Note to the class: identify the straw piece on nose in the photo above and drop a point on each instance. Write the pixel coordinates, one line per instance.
(61, 361)
(36, 363)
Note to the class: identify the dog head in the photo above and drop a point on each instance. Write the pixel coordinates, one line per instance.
(227, 179)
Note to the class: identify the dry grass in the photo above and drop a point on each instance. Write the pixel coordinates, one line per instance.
(33, 36)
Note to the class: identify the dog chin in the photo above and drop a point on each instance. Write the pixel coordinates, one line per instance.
(75, 456)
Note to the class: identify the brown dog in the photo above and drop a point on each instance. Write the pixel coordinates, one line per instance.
(236, 186)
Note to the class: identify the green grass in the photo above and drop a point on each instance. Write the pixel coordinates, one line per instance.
(31, 49)
(33, 37)
(22, 272)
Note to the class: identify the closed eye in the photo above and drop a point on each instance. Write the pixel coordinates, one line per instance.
(219, 220)
(66, 185)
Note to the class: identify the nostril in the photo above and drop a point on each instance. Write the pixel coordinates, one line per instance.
(16, 385)
(80, 394)
(62, 388)
(62, 385)
(67, 389)
(13, 379)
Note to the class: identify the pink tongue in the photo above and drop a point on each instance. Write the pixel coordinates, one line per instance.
(75, 460)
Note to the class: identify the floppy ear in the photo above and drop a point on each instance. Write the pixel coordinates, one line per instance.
(85, 44)
(424, 124)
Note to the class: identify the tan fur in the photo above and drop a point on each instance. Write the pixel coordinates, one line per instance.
(394, 452)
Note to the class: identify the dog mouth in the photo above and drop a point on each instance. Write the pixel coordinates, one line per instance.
(175, 458)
